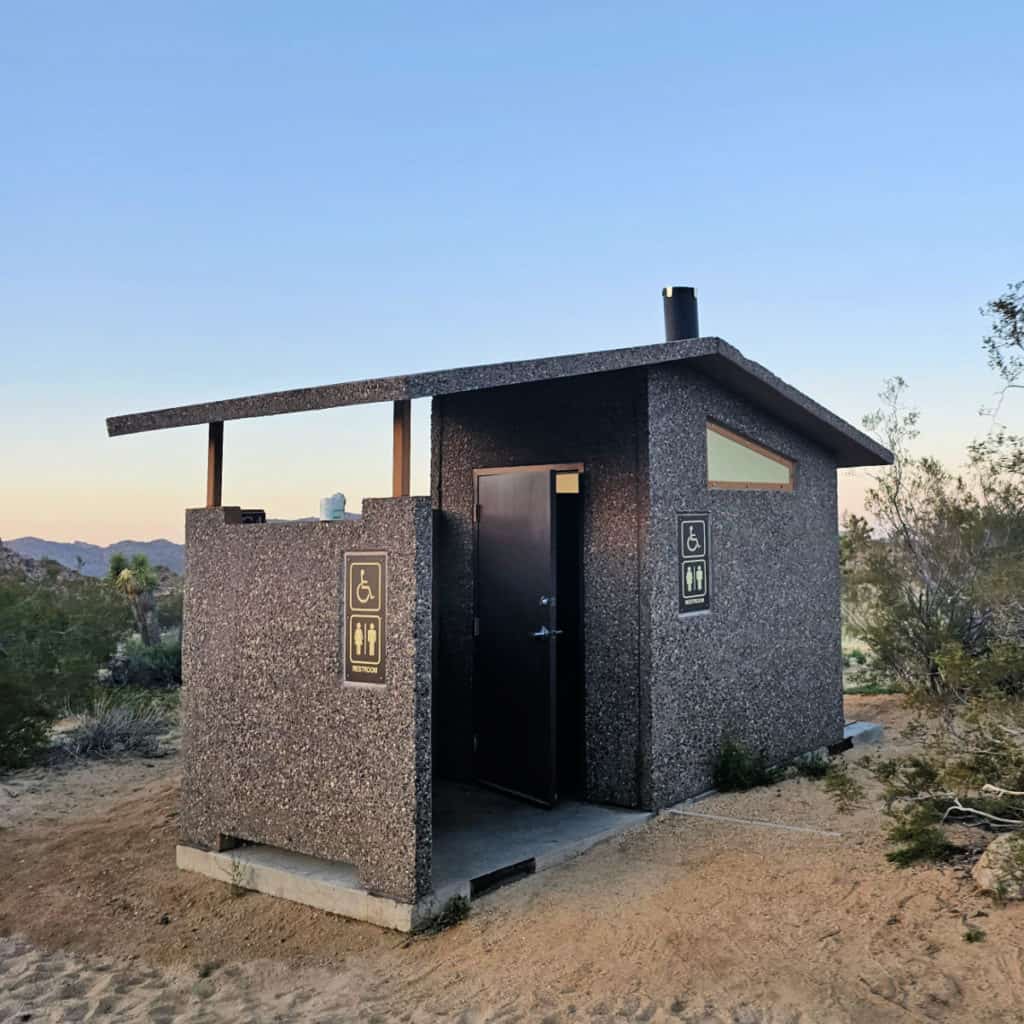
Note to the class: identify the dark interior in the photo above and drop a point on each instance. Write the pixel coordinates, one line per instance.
(569, 667)
(529, 542)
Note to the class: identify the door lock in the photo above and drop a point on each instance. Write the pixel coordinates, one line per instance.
(544, 633)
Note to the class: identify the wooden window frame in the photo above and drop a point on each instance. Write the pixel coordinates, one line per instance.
(759, 449)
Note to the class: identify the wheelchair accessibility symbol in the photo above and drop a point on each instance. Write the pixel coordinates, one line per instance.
(694, 540)
(364, 586)
(364, 592)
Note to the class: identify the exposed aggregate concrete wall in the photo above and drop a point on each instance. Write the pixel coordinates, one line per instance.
(278, 750)
(764, 665)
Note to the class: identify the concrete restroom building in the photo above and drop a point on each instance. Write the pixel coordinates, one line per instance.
(625, 557)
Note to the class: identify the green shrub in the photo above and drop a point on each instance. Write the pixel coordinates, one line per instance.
(854, 657)
(167, 701)
(154, 667)
(933, 589)
(918, 838)
(454, 912)
(997, 669)
(813, 766)
(169, 609)
(737, 767)
(24, 725)
(54, 636)
(844, 789)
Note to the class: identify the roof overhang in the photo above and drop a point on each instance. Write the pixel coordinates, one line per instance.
(711, 356)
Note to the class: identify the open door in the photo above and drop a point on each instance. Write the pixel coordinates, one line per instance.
(515, 666)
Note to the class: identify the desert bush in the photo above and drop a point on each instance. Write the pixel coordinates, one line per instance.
(169, 609)
(812, 766)
(150, 667)
(54, 635)
(166, 701)
(969, 771)
(936, 595)
(917, 837)
(846, 792)
(854, 657)
(454, 912)
(109, 727)
(737, 767)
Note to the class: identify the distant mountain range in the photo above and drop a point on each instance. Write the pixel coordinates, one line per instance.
(92, 559)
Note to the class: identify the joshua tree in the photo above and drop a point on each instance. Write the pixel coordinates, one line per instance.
(137, 581)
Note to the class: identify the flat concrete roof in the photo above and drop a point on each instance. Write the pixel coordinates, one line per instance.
(711, 356)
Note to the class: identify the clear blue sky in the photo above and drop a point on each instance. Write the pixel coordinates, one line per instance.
(206, 200)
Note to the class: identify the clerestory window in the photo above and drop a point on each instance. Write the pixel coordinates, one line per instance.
(737, 462)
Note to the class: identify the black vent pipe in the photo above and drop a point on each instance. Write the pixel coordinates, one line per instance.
(680, 313)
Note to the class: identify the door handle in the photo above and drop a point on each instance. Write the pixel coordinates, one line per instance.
(544, 633)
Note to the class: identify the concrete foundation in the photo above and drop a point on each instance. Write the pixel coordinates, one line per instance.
(861, 733)
(481, 840)
(323, 884)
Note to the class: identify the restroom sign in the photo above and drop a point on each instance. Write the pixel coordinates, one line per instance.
(694, 545)
(366, 583)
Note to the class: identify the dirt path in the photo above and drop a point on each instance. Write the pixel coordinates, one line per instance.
(689, 919)
(49, 796)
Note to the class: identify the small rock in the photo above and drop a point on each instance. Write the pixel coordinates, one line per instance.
(165, 918)
(1000, 869)
(204, 989)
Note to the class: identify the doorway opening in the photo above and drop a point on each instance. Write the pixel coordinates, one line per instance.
(520, 806)
(569, 735)
(528, 682)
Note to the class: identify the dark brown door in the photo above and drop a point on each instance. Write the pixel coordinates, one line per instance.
(515, 669)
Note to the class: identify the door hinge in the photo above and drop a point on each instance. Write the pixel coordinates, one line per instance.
(477, 509)
(476, 625)
(476, 742)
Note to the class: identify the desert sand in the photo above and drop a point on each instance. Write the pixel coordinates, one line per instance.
(688, 919)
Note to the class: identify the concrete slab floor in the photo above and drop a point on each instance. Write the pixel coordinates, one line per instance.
(481, 840)
(486, 837)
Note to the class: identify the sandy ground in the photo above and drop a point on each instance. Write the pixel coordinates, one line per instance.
(688, 919)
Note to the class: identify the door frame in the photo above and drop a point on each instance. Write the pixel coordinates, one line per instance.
(556, 466)
(551, 467)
